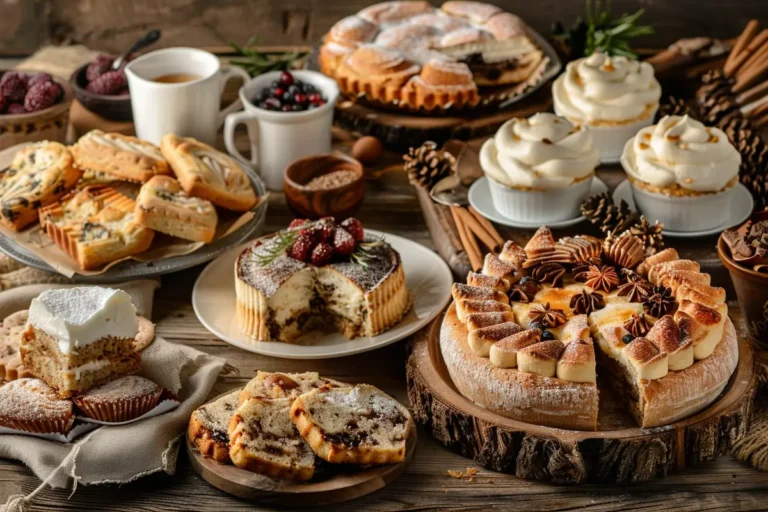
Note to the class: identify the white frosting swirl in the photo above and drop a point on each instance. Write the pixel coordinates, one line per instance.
(542, 152)
(682, 151)
(603, 88)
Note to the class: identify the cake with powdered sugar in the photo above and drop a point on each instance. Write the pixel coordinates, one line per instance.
(122, 399)
(319, 275)
(79, 338)
(32, 406)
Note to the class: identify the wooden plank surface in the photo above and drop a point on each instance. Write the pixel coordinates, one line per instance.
(724, 485)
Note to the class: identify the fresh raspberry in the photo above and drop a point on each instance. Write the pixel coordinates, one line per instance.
(343, 243)
(39, 78)
(302, 248)
(354, 228)
(109, 83)
(13, 86)
(98, 67)
(325, 231)
(41, 96)
(297, 223)
(16, 108)
(322, 254)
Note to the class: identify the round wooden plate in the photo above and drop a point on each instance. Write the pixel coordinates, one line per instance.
(342, 486)
(617, 452)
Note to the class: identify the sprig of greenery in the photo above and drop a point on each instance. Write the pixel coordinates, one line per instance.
(276, 247)
(601, 32)
(257, 63)
(365, 252)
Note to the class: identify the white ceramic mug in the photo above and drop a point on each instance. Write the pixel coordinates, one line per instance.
(188, 109)
(279, 138)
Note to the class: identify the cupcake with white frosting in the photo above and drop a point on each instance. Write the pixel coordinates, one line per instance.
(540, 169)
(682, 173)
(614, 96)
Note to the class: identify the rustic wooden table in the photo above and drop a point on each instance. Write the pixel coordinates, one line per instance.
(390, 205)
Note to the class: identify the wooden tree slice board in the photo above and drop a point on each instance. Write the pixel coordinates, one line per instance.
(345, 485)
(617, 452)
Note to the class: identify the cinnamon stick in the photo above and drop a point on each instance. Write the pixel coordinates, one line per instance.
(753, 94)
(756, 57)
(745, 54)
(758, 111)
(477, 229)
(467, 241)
(761, 122)
(743, 40)
(751, 77)
(487, 225)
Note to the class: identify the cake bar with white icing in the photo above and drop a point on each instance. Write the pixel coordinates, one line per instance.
(79, 338)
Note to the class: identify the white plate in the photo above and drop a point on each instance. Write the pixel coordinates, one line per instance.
(480, 199)
(742, 204)
(427, 277)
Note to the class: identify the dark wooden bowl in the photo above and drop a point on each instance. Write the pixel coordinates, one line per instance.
(48, 124)
(114, 108)
(339, 202)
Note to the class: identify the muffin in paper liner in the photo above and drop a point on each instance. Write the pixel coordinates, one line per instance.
(121, 400)
(33, 406)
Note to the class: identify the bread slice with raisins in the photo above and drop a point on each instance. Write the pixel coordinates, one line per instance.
(263, 440)
(208, 429)
(353, 425)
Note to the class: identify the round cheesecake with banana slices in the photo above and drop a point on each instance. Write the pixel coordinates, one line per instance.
(529, 336)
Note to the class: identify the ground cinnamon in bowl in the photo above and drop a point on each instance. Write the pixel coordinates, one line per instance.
(333, 179)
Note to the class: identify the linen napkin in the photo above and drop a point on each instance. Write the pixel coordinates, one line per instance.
(119, 454)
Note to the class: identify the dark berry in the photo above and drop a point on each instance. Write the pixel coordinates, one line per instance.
(287, 97)
(294, 89)
(41, 96)
(109, 83)
(286, 78)
(297, 223)
(343, 243)
(279, 91)
(302, 248)
(627, 338)
(537, 325)
(16, 108)
(98, 67)
(546, 335)
(300, 98)
(354, 228)
(14, 86)
(315, 98)
(40, 78)
(273, 103)
(322, 254)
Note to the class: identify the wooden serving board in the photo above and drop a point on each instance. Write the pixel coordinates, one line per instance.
(342, 486)
(618, 452)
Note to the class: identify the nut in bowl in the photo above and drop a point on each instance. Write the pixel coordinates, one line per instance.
(324, 186)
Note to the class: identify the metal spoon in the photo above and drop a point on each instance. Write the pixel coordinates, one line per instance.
(454, 190)
(147, 39)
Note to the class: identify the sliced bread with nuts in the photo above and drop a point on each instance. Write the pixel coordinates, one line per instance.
(355, 425)
(263, 440)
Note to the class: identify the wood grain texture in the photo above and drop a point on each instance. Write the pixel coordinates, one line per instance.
(112, 25)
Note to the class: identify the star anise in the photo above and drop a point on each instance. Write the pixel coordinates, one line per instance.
(602, 278)
(636, 289)
(660, 302)
(637, 325)
(549, 273)
(525, 290)
(547, 316)
(586, 302)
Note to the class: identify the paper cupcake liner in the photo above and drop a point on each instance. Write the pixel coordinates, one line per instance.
(533, 206)
(60, 426)
(119, 410)
(687, 213)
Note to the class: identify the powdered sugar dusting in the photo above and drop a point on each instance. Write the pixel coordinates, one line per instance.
(124, 388)
(32, 400)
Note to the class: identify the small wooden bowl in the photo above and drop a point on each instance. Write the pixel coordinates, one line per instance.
(338, 202)
(49, 124)
(112, 108)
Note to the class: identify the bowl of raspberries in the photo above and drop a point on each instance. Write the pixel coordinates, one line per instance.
(103, 90)
(34, 106)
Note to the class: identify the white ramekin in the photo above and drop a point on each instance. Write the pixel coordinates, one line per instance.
(686, 213)
(609, 140)
(533, 206)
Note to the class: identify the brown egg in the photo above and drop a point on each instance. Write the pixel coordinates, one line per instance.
(367, 149)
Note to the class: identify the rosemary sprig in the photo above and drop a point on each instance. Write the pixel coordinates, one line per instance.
(257, 63)
(276, 247)
(601, 32)
(365, 252)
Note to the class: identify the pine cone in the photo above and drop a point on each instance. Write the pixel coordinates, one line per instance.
(426, 165)
(650, 234)
(716, 102)
(675, 106)
(601, 211)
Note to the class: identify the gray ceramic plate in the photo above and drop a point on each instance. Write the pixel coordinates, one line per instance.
(136, 269)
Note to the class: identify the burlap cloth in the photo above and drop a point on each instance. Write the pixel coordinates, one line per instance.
(116, 454)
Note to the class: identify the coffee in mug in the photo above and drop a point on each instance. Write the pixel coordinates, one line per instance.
(176, 78)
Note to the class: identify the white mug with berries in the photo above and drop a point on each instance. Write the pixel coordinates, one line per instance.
(288, 116)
